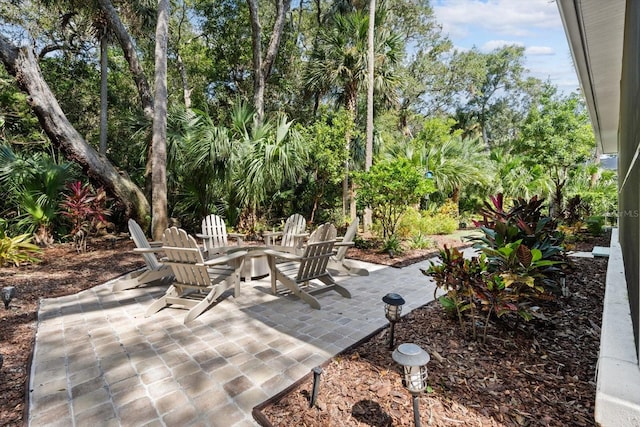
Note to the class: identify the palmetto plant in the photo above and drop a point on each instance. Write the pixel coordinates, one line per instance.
(269, 157)
(458, 163)
(34, 185)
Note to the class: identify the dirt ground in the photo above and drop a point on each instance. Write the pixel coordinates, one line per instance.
(517, 376)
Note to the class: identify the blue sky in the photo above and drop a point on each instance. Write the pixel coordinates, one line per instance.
(534, 24)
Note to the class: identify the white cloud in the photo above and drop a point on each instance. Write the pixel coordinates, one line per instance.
(539, 51)
(496, 44)
(514, 18)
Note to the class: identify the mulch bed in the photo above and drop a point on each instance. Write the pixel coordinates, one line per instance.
(540, 373)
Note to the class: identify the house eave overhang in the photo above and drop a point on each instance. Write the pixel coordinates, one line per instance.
(595, 32)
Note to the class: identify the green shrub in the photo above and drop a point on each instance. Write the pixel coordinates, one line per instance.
(392, 245)
(595, 225)
(415, 222)
(420, 241)
(17, 250)
(438, 224)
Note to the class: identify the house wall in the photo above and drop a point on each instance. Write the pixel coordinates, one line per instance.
(629, 163)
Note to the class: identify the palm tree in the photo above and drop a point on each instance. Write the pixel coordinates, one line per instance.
(517, 180)
(458, 163)
(270, 156)
(338, 66)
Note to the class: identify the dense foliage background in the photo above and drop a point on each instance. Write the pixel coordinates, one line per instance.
(462, 124)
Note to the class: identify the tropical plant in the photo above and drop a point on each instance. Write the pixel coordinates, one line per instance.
(17, 250)
(85, 208)
(522, 222)
(34, 183)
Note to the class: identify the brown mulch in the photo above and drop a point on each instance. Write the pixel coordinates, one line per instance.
(540, 373)
(473, 382)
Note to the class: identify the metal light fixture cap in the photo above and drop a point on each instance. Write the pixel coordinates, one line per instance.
(393, 299)
(410, 355)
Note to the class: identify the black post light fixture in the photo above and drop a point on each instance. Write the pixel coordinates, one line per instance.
(392, 309)
(413, 360)
(317, 371)
(8, 293)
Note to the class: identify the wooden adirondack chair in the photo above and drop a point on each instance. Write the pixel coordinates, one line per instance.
(155, 270)
(195, 277)
(297, 271)
(291, 238)
(214, 235)
(338, 261)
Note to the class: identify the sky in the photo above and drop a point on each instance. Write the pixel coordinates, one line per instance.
(533, 24)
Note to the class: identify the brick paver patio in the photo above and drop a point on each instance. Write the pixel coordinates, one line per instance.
(99, 361)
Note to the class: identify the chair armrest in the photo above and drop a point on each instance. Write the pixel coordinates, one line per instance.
(147, 250)
(348, 244)
(284, 255)
(272, 233)
(225, 258)
(202, 236)
(238, 236)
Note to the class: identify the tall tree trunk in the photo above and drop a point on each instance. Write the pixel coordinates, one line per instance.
(351, 94)
(129, 50)
(22, 65)
(368, 159)
(262, 67)
(104, 69)
(159, 219)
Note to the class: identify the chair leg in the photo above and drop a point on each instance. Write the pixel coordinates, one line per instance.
(295, 289)
(197, 310)
(161, 302)
(335, 286)
(141, 278)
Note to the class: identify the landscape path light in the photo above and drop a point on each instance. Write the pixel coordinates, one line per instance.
(413, 360)
(392, 309)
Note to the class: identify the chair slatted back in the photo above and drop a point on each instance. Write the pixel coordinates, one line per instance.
(296, 224)
(140, 240)
(214, 227)
(349, 237)
(323, 233)
(314, 261)
(185, 258)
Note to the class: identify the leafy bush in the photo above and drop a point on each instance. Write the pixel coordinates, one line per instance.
(86, 210)
(422, 222)
(17, 250)
(595, 225)
(392, 245)
(390, 187)
(420, 241)
(520, 263)
(523, 222)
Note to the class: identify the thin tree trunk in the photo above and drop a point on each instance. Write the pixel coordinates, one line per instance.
(350, 106)
(186, 92)
(22, 65)
(262, 68)
(159, 219)
(368, 160)
(103, 94)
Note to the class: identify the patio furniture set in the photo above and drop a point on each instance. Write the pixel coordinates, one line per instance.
(197, 275)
